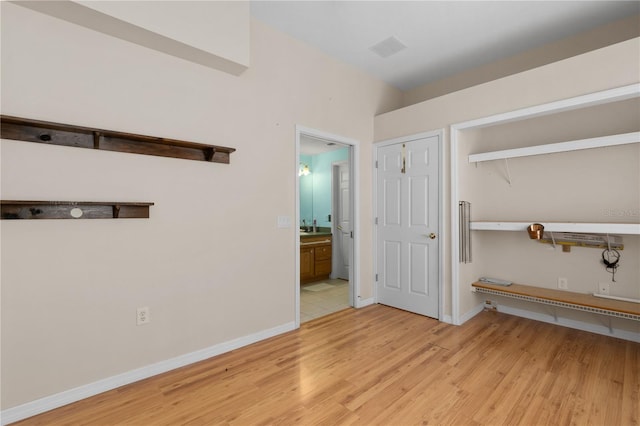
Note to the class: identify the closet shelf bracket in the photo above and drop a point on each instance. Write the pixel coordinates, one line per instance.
(506, 166)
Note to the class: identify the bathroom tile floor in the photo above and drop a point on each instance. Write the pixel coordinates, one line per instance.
(318, 300)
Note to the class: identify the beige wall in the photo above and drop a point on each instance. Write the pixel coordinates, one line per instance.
(210, 262)
(218, 27)
(606, 35)
(214, 34)
(613, 66)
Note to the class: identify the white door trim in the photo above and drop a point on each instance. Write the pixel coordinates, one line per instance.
(354, 271)
(441, 239)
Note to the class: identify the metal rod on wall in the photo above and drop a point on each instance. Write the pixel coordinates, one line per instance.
(464, 212)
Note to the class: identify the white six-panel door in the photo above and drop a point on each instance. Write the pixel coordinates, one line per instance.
(408, 225)
(342, 218)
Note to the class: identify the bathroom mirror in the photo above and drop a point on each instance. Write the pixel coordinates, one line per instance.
(315, 188)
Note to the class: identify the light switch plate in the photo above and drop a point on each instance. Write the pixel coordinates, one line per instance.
(284, 222)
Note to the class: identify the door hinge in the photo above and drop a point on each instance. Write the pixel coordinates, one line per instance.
(376, 164)
(376, 277)
(376, 221)
(351, 234)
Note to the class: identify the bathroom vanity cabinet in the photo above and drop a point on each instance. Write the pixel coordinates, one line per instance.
(315, 257)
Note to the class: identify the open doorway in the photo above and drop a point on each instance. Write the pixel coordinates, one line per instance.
(325, 273)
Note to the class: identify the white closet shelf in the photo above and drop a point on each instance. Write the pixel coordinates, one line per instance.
(599, 142)
(591, 228)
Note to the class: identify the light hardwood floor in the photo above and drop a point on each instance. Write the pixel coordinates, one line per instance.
(382, 366)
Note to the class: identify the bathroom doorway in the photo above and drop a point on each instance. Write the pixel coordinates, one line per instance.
(326, 249)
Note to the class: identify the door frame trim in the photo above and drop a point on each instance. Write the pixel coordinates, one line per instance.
(441, 187)
(354, 158)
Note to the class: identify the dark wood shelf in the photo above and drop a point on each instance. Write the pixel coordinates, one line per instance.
(73, 210)
(27, 130)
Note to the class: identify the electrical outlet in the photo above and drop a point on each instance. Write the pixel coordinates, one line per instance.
(490, 305)
(603, 288)
(143, 316)
(563, 283)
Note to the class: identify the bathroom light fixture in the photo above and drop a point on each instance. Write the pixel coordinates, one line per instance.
(304, 170)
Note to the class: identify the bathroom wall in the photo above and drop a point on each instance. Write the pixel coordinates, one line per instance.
(318, 183)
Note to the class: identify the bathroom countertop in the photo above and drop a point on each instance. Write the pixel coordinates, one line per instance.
(314, 234)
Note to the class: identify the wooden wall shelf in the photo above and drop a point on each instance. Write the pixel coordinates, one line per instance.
(23, 129)
(73, 210)
(564, 299)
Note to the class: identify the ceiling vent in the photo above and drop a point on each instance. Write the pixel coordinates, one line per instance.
(388, 47)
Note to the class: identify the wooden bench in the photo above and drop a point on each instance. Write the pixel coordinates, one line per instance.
(564, 299)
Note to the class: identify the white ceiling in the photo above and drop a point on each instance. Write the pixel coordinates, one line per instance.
(442, 37)
(313, 146)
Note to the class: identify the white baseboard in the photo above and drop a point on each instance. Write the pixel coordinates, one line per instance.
(361, 303)
(41, 405)
(565, 322)
(447, 319)
(470, 314)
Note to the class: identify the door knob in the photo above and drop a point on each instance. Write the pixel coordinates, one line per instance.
(432, 236)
